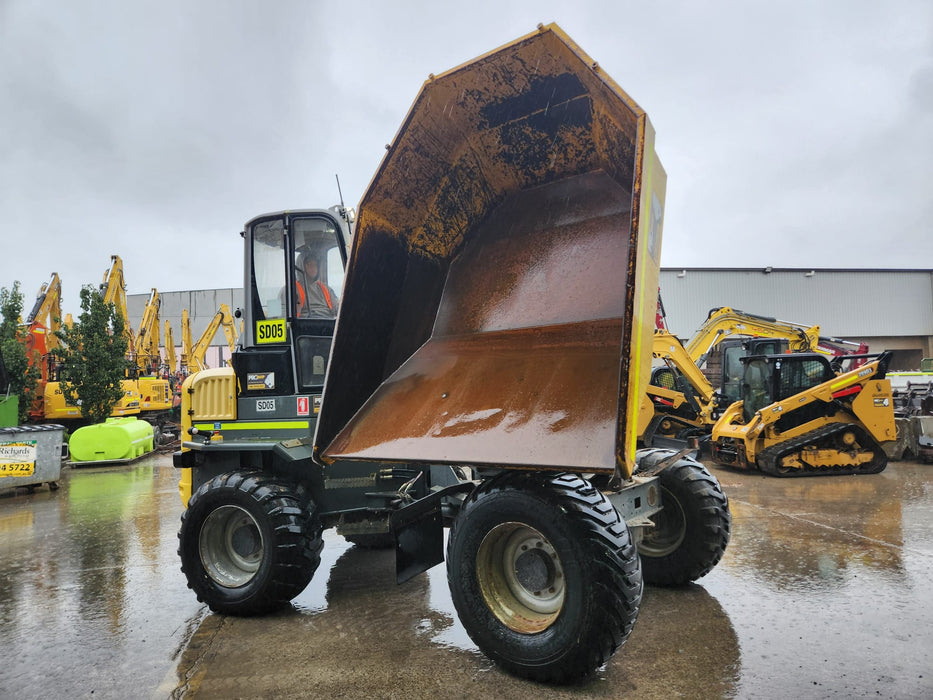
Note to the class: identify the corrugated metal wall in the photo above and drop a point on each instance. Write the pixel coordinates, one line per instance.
(851, 304)
(845, 303)
(202, 304)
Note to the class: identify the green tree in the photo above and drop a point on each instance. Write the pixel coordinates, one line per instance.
(93, 357)
(24, 374)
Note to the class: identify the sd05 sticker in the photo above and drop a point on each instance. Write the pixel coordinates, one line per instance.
(265, 405)
(270, 331)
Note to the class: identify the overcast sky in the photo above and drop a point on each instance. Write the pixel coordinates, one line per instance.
(794, 134)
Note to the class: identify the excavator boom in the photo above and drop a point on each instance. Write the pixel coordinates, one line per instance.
(724, 322)
(196, 356)
(113, 290)
(147, 338)
(46, 315)
(170, 359)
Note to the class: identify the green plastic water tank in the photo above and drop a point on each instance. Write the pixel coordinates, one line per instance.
(115, 439)
(9, 411)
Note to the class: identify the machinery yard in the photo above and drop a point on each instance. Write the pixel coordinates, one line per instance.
(457, 451)
(823, 592)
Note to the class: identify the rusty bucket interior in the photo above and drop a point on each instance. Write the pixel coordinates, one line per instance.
(490, 300)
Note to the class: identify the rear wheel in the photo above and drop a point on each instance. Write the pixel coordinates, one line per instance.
(691, 532)
(544, 575)
(247, 544)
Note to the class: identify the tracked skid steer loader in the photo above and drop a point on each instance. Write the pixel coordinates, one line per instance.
(475, 361)
(798, 417)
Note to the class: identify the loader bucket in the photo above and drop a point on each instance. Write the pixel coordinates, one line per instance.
(501, 292)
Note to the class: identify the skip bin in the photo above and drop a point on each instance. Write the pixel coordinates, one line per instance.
(499, 302)
(31, 455)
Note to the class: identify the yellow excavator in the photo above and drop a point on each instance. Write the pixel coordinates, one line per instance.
(726, 322)
(171, 360)
(41, 324)
(155, 390)
(153, 393)
(44, 319)
(695, 379)
(148, 357)
(193, 355)
(113, 290)
(145, 395)
(798, 417)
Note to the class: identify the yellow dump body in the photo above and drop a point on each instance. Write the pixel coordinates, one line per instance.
(502, 286)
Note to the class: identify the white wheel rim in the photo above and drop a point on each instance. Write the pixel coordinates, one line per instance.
(231, 547)
(521, 577)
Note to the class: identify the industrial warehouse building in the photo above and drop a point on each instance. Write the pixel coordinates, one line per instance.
(887, 309)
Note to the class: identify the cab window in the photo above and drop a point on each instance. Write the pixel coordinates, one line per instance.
(268, 267)
(318, 269)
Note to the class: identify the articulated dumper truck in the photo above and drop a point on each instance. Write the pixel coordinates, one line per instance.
(475, 358)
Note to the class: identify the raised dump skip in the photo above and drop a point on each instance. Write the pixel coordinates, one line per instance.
(500, 297)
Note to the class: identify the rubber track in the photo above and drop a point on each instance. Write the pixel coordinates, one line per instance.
(768, 458)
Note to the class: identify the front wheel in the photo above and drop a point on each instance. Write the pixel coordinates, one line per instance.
(247, 543)
(692, 530)
(544, 575)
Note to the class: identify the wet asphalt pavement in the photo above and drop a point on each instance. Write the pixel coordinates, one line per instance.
(826, 590)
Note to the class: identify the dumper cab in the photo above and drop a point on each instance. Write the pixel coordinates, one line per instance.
(295, 264)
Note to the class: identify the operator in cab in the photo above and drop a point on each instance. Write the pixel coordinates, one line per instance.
(313, 298)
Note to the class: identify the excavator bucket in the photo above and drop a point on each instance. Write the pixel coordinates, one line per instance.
(501, 292)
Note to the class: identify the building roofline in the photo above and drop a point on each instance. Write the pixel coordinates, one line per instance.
(769, 269)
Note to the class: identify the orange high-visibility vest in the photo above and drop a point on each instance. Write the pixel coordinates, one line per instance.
(302, 297)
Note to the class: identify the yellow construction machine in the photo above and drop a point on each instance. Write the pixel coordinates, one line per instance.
(148, 357)
(726, 322)
(171, 360)
(113, 290)
(798, 417)
(154, 395)
(155, 390)
(42, 322)
(45, 317)
(145, 394)
(193, 356)
(485, 373)
(186, 343)
(685, 400)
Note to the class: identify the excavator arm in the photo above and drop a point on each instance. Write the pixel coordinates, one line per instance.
(199, 351)
(668, 347)
(113, 290)
(187, 360)
(725, 321)
(46, 315)
(170, 358)
(229, 329)
(147, 338)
